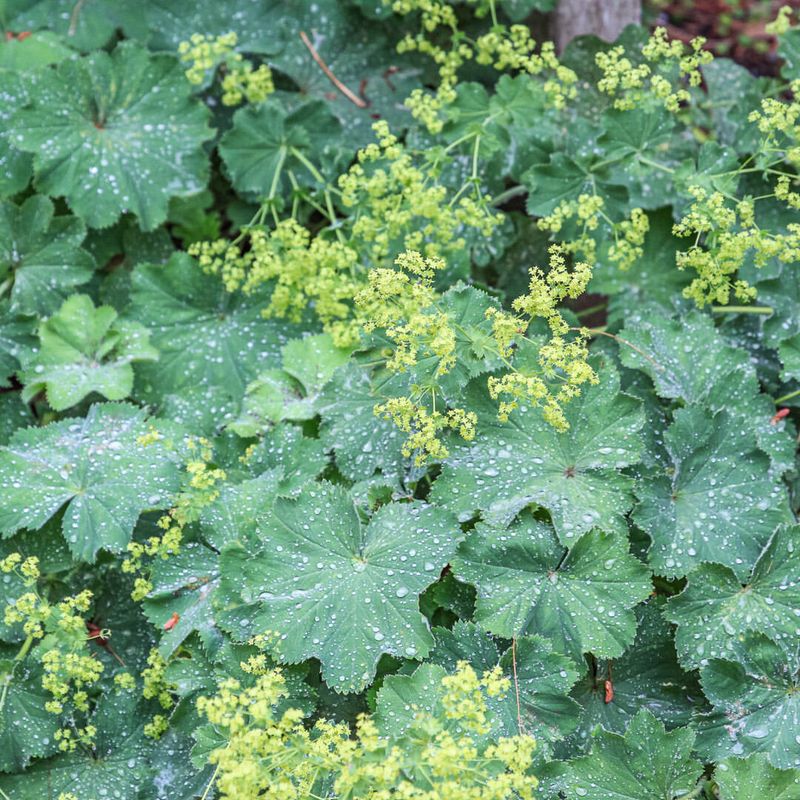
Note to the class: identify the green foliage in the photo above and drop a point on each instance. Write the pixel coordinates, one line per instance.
(458, 457)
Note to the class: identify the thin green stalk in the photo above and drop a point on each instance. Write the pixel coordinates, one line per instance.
(743, 309)
(786, 397)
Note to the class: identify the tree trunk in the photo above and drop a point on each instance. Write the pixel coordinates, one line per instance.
(603, 18)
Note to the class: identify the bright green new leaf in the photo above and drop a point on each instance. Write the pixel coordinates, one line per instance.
(290, 393)
(529, 583)
(717, 501)
(40, 255)
(94, 469)
(715, 609)
(114, 133)
(756, 701)
(83, 350)
(647, 763)
(575, 475)
(335, 589)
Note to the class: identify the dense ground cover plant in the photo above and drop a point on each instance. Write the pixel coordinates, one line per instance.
(394, 409)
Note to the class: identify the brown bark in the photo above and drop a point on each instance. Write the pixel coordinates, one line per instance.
(603, 18)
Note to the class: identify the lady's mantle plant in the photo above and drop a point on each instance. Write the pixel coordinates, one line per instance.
(392, 408)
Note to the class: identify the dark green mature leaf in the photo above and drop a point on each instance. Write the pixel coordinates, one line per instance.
(716, 502)
(16, 167)
(543, 680)
(209, 340)
(86, 27)
(83, 350)
(14, 414)
(118, 767)
(26, 729)
(95, 469)
(756, 702)
(115, 133)
(529, 583)
(183, 585)
(689, 360)
(574, 475)
(715, 609)
(647, 763)
(17, 341)
(646, 676)
(362, 442)
(754, 778)
(41, 254)
(337, 590)
(262, 145)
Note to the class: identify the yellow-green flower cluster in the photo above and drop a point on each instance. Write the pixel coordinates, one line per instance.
(155, 686)
(587, 211)
(559, 357)
(723, 238)
(391, 202)
(667, 64)
(629, 234)
(505, 48)
(60, 631)
(782, 22)
(204, 53)
(424, 428)
(778, 121)
(201, 488)
(240, 80)
(442, 757)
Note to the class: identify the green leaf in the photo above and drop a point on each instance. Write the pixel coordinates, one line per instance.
(209, 340)
(362, 442)
(260, 148)
(527, 582)
(646, 676)
(26, 729)
(756, 702)
(83, 350)
(291, 393)
(93, 468)
(88, 27)
(16, 167)
(689, 360)
(574, 475)
(17, 342)
(14, 414)
(543, 680)
(183, 584)
(635, 140)
(239, 507)
(337, 590)
(117, 768)
(37, 50)
(114, 133)
(754, 778)
(715, 609)
(41, 254)
(716, 501)
(647, 763)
